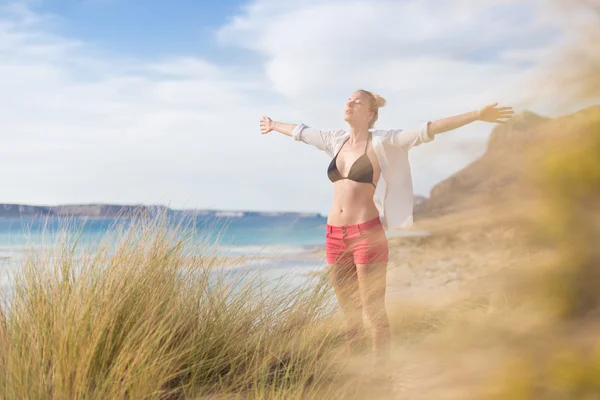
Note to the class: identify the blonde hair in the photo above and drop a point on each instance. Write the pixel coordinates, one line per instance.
(376, 102)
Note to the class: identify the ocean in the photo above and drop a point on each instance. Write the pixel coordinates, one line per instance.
(279, 247)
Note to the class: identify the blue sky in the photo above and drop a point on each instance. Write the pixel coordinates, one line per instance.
(145, 28)
(125, 101)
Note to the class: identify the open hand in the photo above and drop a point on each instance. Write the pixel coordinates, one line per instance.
(266, 125)
(491, 113)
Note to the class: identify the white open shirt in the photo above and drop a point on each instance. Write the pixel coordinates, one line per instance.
(394, 192)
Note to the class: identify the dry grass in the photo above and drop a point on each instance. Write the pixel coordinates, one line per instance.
(152, 315)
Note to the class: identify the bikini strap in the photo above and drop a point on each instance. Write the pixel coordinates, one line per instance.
(340, 149)
(367, 143)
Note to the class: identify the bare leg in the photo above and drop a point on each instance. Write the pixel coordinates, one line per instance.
(345, 284)
(372, 286)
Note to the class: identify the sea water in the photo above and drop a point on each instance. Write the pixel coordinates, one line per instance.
(275, 246)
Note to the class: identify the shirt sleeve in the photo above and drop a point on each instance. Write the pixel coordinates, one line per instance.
(321, 139)
(410, 137)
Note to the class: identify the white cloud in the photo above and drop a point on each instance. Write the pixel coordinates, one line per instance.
(80, 124)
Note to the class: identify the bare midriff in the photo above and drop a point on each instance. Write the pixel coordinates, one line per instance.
(352, 203)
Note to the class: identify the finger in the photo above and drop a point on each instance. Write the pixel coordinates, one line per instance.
(493, 105)
(505, 108)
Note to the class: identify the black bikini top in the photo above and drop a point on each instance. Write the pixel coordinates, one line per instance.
(361, 171)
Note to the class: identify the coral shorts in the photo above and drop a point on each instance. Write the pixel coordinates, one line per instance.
(363, 243)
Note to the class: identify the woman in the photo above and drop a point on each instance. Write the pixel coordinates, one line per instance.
(372, 192)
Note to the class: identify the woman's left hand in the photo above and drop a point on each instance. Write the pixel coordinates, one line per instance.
(491, 113)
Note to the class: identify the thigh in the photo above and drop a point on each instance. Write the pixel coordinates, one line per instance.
(372, 282)
(344, 279)
(370, 251)
(343, 274)
(342, 271)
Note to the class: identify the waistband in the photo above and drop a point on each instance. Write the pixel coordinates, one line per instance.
(357, 227)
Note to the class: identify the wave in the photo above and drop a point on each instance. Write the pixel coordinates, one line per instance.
(293, 266)
(250, 250)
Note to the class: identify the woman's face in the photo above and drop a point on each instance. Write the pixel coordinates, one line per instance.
(358, 109)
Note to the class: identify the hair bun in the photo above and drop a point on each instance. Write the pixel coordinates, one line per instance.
(379, 101)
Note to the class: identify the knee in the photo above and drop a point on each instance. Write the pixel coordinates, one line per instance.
(377, 315)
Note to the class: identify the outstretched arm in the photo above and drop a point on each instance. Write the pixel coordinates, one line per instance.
(489, 113)
(426, 133)
(319, 138)
(267, 125)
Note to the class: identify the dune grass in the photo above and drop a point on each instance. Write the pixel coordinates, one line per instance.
(152, 314)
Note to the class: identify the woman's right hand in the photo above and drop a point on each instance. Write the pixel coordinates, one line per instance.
(266, 125)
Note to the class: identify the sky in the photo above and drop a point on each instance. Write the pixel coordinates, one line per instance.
(156, 102)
